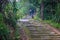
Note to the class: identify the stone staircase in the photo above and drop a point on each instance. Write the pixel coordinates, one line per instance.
(40, 32)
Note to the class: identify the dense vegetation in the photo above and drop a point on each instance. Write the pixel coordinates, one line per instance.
(49, 10)
(8, 20)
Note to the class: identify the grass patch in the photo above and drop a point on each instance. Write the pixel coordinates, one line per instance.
(54, 24)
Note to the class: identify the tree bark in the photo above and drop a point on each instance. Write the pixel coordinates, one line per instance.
(42, 11)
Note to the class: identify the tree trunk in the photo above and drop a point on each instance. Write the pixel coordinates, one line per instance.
(42, 11)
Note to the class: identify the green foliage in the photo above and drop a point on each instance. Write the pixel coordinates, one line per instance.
(36, 3)
(52, 23)
(3, 29)
(1, 18)
(51, 10)
(57, 17)
(9, 15)
(23, 8)
(17, 34)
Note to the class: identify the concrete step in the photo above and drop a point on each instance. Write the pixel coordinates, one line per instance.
(39, 32)
(41, 39)
(38, 35)
(44, 35)
(47, 38)
(31, 28)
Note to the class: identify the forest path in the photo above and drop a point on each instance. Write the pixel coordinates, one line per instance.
(35, 30)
